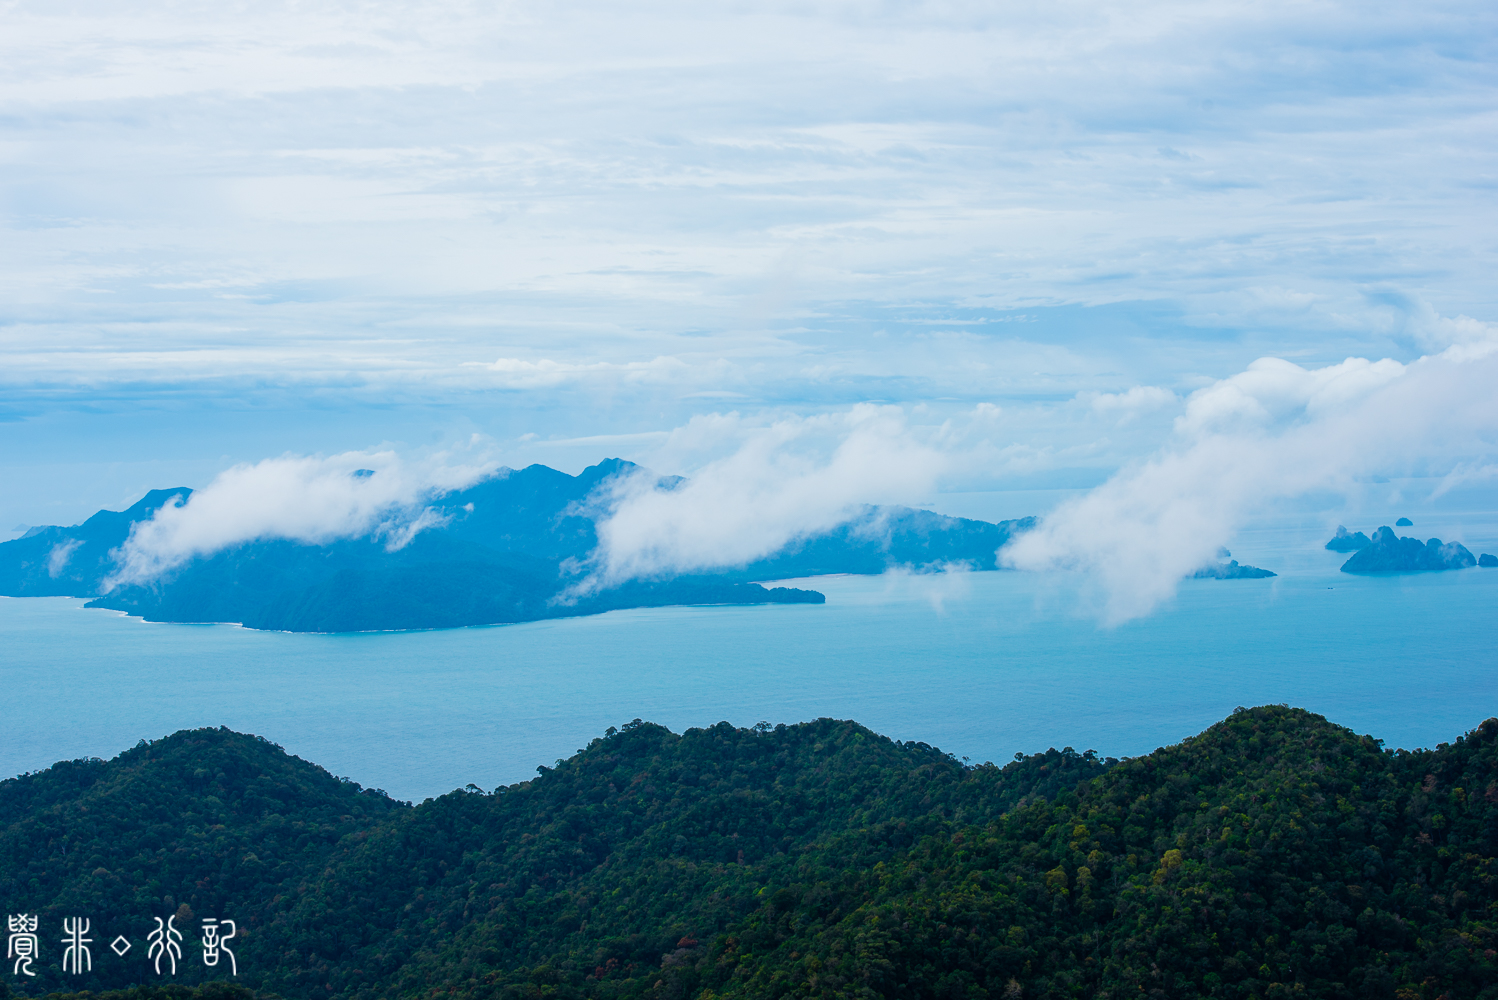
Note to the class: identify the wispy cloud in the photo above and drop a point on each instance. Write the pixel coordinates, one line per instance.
(315, 500)
(1276, 430)
(792, 479)
(1125, 406)
(59, 556)
(755, 487)
(298, 189)
(520, 374)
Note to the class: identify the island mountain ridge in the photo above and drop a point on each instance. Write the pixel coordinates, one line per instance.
(505, 551)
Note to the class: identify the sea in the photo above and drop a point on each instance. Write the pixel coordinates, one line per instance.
(981, 665)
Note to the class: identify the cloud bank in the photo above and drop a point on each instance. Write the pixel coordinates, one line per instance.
(797, 477)
(769, 484)
(1276, 430)
(314, 500)
(756, 484)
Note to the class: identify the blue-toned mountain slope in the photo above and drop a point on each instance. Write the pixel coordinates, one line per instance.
(507, 552)
(53, 561)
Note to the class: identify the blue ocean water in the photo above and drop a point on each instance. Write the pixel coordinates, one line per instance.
(981, 665)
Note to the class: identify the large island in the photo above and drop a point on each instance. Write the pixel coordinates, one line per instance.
(504, 550)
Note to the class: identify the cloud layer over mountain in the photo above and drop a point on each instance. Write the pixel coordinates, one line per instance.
(307, 499)
(1275, 431)
(790, 480)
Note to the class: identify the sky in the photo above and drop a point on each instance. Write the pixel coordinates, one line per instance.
(961, 246)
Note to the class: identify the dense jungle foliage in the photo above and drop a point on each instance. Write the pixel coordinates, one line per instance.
(1274, 855)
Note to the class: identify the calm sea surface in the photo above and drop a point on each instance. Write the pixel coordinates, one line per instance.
(981, 665)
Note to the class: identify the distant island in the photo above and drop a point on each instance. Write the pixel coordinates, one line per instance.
(1275, 855)
(1228, 568)
(1386, 552)
(1231, 570)
(506, 551)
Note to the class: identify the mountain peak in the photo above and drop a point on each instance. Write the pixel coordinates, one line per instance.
(605, 469)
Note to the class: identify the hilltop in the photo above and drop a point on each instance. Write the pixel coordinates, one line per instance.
(1275, 854)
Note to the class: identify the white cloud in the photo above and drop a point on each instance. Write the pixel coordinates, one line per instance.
(315, 500)
(1276, 430)
(1435, 331)
(1273, 390)
(1125, 406)
(1466, 472)
(62, 552)
(793, 478)
(386, 182)
(519, 374)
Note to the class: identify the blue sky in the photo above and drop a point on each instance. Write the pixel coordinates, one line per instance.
(558, 232)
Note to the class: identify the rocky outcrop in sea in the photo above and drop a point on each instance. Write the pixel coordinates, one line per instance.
(1345, 541)
(1388, 553)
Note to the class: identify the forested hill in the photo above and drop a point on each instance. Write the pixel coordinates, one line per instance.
(1274, 855)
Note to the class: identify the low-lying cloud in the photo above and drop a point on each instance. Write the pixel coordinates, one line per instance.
(61, 554)
(791, 479)
(314, 500)
(757, 484)
(1274, 431)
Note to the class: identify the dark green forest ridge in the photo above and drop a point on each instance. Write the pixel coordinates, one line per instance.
(1274, 855)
